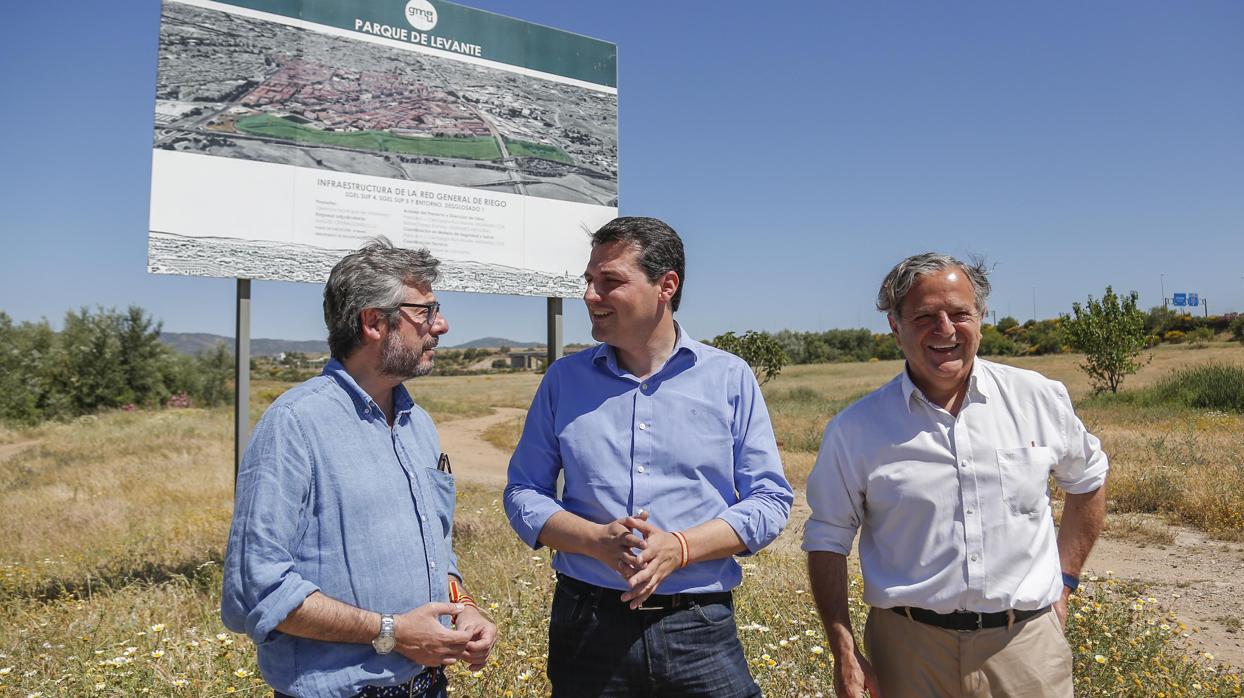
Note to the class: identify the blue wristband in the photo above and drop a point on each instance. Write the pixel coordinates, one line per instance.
(1071, 581)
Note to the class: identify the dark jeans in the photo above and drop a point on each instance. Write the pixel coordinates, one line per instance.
(599, 647)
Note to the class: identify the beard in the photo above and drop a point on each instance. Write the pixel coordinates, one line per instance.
(404, 362)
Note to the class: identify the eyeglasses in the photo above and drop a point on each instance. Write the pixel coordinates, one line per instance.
(430, 310)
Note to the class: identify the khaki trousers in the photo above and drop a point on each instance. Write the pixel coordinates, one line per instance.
(912, 659)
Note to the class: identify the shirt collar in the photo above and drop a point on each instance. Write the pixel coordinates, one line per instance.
(363, 404)
(979, 384)
(683, 344)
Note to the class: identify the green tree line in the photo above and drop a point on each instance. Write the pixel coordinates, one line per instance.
(101, 359)
(1008, 337)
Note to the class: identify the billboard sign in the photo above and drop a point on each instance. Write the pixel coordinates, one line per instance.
(1179, 299)
(290, 131)
(1193, 300)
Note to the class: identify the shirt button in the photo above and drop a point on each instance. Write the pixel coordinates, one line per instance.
(642, 426)
(643, 386)
(973, 558)
(969, 511)
(640, 468)
(433, 564)
(425, 517)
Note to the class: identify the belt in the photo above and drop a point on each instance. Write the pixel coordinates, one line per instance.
(416, 687)
(656, 602)
(967, 620)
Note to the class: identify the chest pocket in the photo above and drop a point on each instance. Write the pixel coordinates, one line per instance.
(1025, 473)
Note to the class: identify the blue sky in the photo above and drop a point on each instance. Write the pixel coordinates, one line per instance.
(799, 148)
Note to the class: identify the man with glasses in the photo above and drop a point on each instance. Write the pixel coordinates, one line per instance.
(671, 469)
(944, 472)
(340, 564)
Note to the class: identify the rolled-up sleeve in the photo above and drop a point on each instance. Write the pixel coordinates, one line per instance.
(530, 494)
(1082, 465)
(835, 497)
(765, 496)
(261, 586)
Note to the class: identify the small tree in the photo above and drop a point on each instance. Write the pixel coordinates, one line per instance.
(1237, 329)
(1111, 334)
(1201, 337)
(761, 352)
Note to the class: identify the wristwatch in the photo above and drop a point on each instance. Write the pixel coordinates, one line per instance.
(384, 642)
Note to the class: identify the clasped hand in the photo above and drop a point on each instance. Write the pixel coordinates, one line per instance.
(423, 639)
(659, 555)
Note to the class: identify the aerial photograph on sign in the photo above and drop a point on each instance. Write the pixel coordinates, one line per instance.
(241, 87)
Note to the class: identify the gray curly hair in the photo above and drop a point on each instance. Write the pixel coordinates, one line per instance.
(906, 273)
(375, 276)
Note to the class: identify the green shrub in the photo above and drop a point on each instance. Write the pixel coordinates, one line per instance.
(996, 343)
(1212, 386)
(1237, 329)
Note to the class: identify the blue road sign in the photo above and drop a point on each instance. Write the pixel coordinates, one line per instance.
(1179, 299)
(1193, 301)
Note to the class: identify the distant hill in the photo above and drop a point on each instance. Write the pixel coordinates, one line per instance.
(196, 342)
(496, 343)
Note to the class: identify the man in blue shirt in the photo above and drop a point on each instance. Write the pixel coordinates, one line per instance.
(340, 561)
(670, 468)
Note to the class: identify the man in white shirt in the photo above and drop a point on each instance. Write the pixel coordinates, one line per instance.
(944, 472)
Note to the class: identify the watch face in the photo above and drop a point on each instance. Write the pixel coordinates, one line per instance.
(384, 644)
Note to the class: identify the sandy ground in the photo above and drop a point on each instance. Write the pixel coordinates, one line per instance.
(475, 460)
(1201, 579)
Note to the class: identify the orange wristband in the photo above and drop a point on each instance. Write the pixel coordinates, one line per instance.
(456, 595)
(686, 551)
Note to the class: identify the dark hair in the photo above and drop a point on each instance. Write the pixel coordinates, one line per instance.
(376, 276)
(660, 248)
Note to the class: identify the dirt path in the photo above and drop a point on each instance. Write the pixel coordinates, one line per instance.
(9, 450)
(1201, 579)
(475, 460)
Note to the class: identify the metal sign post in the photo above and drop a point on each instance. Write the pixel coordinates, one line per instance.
(242, 375)
(555, 331)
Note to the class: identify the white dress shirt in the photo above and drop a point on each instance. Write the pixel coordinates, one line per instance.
(954, 511)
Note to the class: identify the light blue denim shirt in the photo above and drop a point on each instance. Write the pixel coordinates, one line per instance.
(691, 443)
(330, 498)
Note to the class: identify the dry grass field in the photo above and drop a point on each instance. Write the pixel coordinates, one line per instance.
(114, 528)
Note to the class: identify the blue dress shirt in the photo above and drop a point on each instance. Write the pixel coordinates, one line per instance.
(331, 499)
(691, 443)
